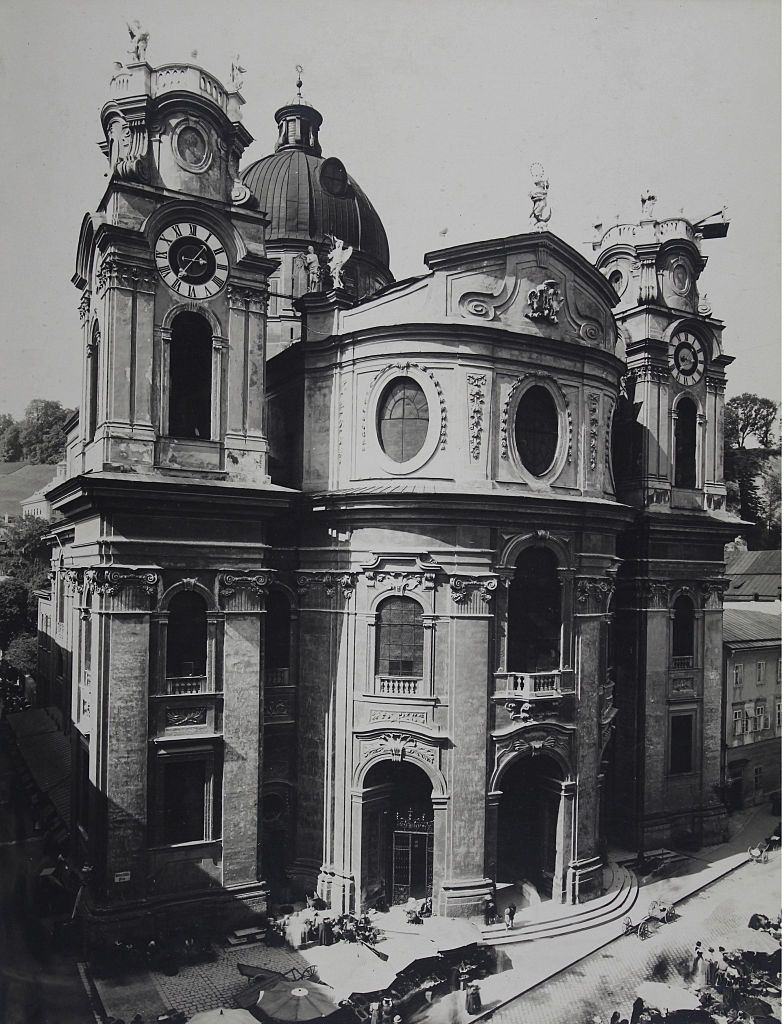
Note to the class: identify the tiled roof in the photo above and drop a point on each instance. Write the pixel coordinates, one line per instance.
(754, 575)
(741, 625)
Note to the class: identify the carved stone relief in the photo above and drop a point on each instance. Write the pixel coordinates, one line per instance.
(594, 593)
(111, 581)
(398, 746)
(476, 384)
(464, 587)
(330, 581)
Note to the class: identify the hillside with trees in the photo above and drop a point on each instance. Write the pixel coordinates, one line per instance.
(752, 471)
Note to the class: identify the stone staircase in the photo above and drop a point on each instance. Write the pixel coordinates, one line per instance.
(547, 920)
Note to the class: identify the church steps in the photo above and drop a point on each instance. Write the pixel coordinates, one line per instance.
(612, 905)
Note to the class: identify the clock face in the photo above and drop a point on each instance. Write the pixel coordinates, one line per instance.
(191, 260)
(686, 358)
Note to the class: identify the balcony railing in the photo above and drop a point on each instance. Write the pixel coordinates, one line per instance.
(532, 684)
(185, 684)
(398, 686)
(683, 661)
(277, 676)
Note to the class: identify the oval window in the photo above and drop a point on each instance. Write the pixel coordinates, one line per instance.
(402, 419)
(537, 430)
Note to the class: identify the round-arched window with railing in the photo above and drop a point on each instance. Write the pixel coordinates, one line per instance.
(402, 419)
(537, 430)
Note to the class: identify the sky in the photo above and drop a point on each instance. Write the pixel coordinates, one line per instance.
(437, 109)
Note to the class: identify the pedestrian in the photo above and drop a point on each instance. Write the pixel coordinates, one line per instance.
(698, 972)
(711, 967)
(638, 1009)
(374, 1013)
(472, 998)
(486, 911)
(512, 909)
(508, 919)
(614, 1017)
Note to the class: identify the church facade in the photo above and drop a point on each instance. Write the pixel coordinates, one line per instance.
(380, 589)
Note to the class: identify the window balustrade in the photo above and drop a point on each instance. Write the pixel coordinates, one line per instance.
(683, 661)
(398, 686)
(176, 685)
(533, 684)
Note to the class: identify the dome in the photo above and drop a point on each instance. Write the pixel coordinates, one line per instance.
(307, 196)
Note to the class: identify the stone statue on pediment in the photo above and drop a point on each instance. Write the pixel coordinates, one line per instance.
(337, 258)
(237, 71)
(139, 37)
(541, 211)
(310, 263)
(648, 199)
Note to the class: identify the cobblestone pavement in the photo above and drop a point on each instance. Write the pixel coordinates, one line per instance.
(607, 980)
(206, 986)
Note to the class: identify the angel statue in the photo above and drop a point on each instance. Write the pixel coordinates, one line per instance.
(236, 72)
(338, 257)
(648, 199)
(310, 262)
(139, 37)
(541, 211)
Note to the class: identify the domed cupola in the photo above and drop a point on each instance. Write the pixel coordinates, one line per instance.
(307, 198)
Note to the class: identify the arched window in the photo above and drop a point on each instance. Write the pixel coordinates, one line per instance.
(685, 440)
(537, 430)
(683, 631)
(535, 613)
(402, 419)
(400, 638)
(190, 377)
(277, 656)
(92, 383)
(186, 637)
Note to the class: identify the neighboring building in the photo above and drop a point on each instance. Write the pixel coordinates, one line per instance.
(754, 576)
(365, 617)
(20, 480)
(753, 704)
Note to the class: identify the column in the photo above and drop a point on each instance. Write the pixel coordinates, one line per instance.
(246, 446)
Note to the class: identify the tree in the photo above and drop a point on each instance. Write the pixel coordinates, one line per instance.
(747, 415)
(22, 653)
(10, 443)
(24, 553)
(14, 601)
(41, 433)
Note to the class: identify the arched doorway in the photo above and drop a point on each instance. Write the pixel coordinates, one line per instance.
(531, 837)
(397, 834)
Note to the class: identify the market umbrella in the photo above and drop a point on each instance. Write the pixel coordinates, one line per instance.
(667, 997)
(223, 1015)
(290, 1001)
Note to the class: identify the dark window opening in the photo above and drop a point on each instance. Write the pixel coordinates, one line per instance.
(186, 637)
(686, 423)
(403, 419)
(92, 396)
(400, 638)
(683, 627)
(535, 613)
(184, 801)
(681, 744)
(537, 430)
(87, 642)
(278, 632)
(190, 377)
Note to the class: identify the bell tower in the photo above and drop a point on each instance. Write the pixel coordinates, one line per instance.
(166, 514)
(667, 460)
(173, 273)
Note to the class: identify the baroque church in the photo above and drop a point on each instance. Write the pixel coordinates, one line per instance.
(367, 587)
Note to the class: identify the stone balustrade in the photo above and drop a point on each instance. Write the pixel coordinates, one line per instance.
(397, 686)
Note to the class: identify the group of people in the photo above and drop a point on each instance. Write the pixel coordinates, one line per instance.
(490, 913)
(324, 927)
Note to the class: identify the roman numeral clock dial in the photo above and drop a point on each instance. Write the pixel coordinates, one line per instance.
(191, 260)
(686, 358)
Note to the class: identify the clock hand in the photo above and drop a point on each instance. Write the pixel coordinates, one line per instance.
(198, 258)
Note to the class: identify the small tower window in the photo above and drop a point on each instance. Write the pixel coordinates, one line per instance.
(686, 424)
(92, 383)
(186, 638)
(190, 378)
(537, 430)
(403, 419)
(683, 631)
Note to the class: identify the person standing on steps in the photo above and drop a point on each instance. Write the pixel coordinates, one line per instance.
(512, 912)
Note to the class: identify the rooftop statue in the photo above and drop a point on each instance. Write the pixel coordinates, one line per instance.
(541, 211)
(338, 257)
(648, 199)
(236, 72)
(139, 38)
(310, 262)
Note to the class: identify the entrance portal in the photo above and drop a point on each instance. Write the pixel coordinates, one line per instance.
(397, 833)
(527, 824)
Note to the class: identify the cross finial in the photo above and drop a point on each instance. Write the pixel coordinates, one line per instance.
(299, 70)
